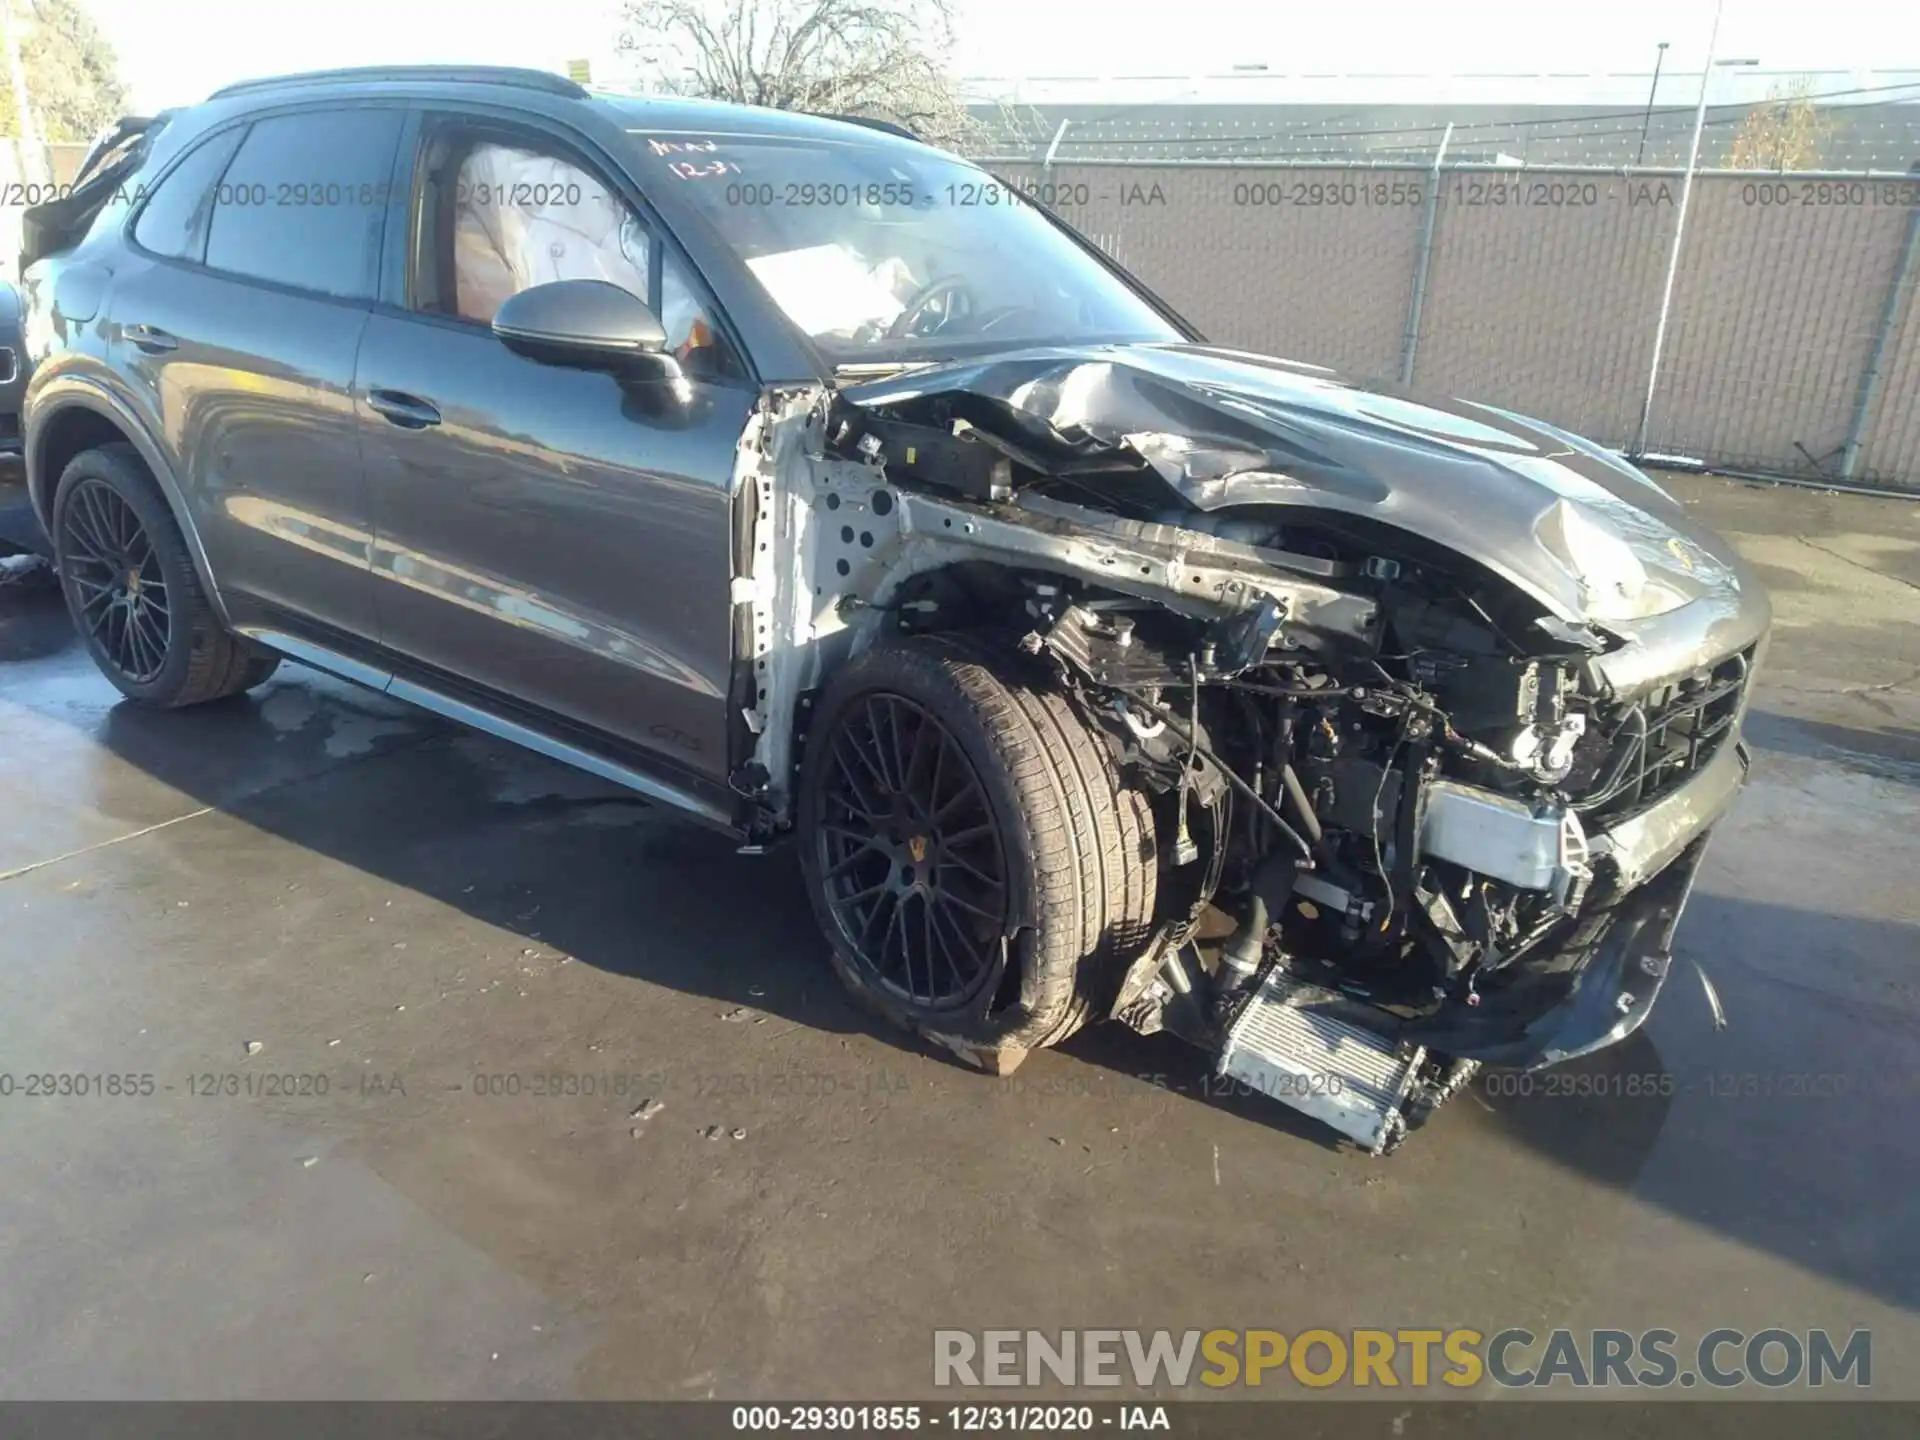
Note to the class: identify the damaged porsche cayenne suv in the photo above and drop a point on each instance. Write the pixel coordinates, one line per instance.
(810, 480)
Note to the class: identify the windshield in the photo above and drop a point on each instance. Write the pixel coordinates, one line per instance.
(883, 253)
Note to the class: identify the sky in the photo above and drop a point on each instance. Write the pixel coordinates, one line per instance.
(176, 51)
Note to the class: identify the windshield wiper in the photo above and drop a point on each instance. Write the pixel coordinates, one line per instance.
(878, 369)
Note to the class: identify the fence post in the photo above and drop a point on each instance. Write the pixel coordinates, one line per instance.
(1889, 318)
(1679, 229)
(1422, 259)
(1046, 165)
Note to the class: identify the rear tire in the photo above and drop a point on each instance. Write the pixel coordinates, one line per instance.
(982, 869)
(132, 590)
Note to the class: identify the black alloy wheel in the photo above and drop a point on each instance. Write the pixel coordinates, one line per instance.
(120, 593)
(983, 868)
(910, 855)
(132, 590)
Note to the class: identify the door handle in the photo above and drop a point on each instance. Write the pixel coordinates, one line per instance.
(409, 412)
(150, 338)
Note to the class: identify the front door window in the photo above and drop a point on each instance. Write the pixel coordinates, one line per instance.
(521, 217)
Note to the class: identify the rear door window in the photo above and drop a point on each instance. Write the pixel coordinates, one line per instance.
(304, 201)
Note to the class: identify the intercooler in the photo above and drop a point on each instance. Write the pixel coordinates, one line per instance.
(1290, 1045)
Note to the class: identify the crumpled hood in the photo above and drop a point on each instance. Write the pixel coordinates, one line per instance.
(1226, 428)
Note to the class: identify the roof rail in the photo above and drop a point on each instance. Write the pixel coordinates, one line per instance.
(453, 74)
(885, 127)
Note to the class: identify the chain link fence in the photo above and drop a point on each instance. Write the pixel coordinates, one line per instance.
(1792, 344)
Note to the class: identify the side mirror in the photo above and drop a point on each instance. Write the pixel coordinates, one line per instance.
(588, 324)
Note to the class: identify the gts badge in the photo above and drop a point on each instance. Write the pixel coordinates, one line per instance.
(679, 739)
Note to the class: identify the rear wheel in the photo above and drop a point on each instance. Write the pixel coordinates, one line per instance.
(982, 869)
(132, 591)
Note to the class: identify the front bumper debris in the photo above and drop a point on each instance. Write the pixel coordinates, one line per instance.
(1610, 998)
(1655, 856)
(1357, 1071)
(1643, 845)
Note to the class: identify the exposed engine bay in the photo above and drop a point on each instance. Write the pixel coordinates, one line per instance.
(1412, 816)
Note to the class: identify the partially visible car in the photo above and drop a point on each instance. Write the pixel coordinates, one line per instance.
(20, 529)
(13, 373)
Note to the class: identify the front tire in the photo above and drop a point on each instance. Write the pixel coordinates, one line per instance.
(982, 869)
(131, 588)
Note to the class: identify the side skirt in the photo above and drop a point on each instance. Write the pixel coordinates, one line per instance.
(475, 716)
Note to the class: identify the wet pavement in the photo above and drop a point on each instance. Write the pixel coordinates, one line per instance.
(448, 1072)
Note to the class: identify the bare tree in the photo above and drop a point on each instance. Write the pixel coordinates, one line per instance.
(886, 59)
(1785, 132)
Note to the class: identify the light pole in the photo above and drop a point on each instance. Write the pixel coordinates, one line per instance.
(1660, 55)
(1679, 228)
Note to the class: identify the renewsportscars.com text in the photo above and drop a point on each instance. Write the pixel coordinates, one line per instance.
(1512, 1358)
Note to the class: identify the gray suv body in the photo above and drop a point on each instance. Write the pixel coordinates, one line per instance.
(817, 483)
